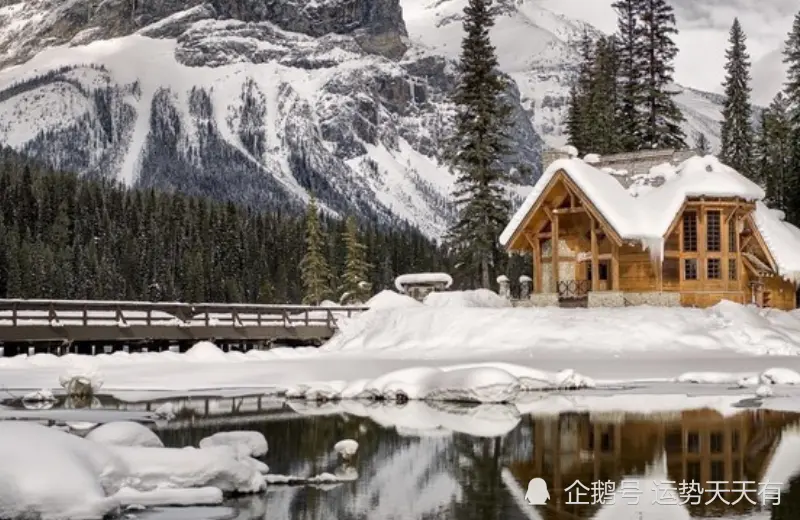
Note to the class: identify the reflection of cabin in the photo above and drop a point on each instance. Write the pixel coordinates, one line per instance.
(700, 445)
(600, 237)
(419, 285)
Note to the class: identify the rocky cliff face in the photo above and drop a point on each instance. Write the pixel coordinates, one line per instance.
(258, 101)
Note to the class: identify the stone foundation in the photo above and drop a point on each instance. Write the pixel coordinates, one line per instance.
(539, 300)
(655, 299)
(606, 299)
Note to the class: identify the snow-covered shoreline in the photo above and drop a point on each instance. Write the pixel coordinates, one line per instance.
(470, 346)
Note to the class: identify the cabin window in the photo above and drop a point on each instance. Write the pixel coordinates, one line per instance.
(733, 272)
(713, 231)
(690, 231)
(693, 442)
(672, 269)
(732, 236)
(602, 268)
(690, 269)
(713, 269)
(693, 472)
(717, 442)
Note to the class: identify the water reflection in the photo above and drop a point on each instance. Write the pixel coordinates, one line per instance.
(424, 473)
(423, 462)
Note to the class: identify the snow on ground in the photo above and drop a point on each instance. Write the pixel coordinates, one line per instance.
(124, 433)
(461, 345)
(59, 475)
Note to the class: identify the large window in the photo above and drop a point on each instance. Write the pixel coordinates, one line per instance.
(690, 231)
(690, 269)
(713, 269)
(733, 246)
(733, 272)
(713, 231)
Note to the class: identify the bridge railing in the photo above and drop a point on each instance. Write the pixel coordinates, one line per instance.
(20, 312)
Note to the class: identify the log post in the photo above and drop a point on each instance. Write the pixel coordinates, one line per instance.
(595, 259)
(554, 251)
(615, 267)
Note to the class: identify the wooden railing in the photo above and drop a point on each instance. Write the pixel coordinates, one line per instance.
(55, 313)
(570, 289)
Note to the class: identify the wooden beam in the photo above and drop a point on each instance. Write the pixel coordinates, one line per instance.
(595, 260)
(537, 266)
(614, 267)
(548, 212)
(565, 211)
(544, 235)
(732, 213)
(554, 250)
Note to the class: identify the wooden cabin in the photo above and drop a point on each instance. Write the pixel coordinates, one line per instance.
(700, 236)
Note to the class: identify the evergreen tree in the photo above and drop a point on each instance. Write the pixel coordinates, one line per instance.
(579, 117)
(701, 144)
(792, 60)
(356, 269)
(478, 144)
(315, 272)
(736, 130)
(662, 117)
(775, 154)
(630, 76)
(603, 127)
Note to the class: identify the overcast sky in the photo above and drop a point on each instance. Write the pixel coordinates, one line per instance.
(704, 26)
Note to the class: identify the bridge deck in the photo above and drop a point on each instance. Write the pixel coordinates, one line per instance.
(65, 322)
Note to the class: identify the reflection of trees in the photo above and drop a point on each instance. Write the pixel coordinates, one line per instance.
(478, 471)
(789, 508)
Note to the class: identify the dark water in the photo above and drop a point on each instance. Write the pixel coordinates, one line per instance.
(408, 473)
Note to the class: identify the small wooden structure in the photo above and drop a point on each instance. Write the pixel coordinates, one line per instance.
(419, 285)
(577, 227)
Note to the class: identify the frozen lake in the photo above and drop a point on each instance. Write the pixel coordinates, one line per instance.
(422, 461)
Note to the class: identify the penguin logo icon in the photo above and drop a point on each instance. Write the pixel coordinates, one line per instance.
(537, 494)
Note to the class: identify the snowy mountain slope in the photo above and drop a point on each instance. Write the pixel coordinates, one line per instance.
(246, 111)
(538, 48)
(266, 102)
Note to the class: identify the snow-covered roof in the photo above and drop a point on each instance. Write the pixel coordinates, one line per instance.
(781, 238)
(422, 279)
(645, 212)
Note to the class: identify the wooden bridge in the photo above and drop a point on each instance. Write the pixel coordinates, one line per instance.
(85, 326)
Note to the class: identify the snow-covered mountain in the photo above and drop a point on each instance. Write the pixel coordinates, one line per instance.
(267, 101)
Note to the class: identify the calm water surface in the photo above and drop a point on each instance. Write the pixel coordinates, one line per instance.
(413, 474)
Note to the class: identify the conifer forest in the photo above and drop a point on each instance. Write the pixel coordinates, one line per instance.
(66, 237)
(621, 101)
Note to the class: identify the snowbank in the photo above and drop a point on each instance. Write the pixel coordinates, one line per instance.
(387, 299)
(124, 433)
(475, 383)
(442, 331)
(248, 443)
(59, 475)
(466, 299)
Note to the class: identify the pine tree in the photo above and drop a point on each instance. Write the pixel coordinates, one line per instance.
(630, 78)
(603, 126)
(775, 154)
(355, 285)
(579, 120)
(701, 144)
(315, 273)
(736, 130)
(792, 60)
(478, 144)
(662, 117)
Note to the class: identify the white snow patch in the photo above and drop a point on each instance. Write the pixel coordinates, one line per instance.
(203, 496)
(473, 298)
(249, 443)
(124, 433)
(422, 279)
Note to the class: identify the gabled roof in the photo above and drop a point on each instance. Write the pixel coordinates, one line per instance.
(645, 212)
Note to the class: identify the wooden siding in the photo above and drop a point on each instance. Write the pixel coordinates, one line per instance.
(706, 251)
